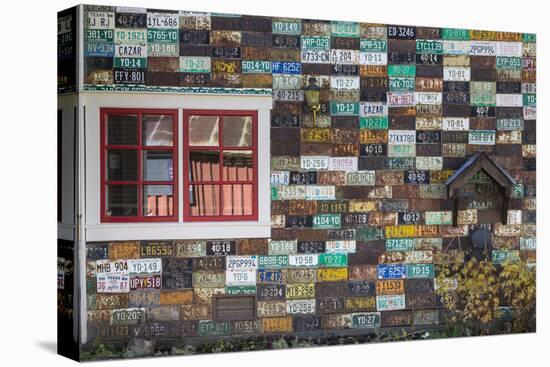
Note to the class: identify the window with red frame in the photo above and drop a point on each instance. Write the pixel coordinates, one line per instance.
(220, 160)
(139, 153)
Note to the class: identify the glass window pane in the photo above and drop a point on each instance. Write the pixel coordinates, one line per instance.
(122, 200)
(158, 200)
(204, 165)
(237, 199)
(204, 200)
(122, 165)
(203, 131)
(158, 165)
(158, 130)
(237, 131)
(238, 165)
(122, 129)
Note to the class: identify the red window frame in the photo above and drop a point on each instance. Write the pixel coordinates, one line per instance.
(187, 217)
(140, 148)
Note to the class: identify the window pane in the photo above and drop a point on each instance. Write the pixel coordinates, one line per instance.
(122, 200)
(237, 199)
(237, 165)
(204, 165)
(237, 131)
(204, 200)
(203, 131)
(158, 200)
(122, 129)
(122, 165)
(158, 130)
(158, 166)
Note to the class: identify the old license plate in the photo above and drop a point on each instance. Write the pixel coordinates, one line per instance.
(271, 308)
(344, 56)
(212, 328)
(333, 260)
(420, 271)
(392, 271)
(283, 81)
(456, 74)
(389, 287)
(145, 266)
(439, 217)
(145, 282)
(300, 291)
(208, 279)
(482, 137)
(315, 56)
(305, 260)
(373, 58)
(315, 43)
(240, 277)
(366, 320)
(390, 302)
(277, 324)
(332, 274)
(271, 276)
(282, 247)
(100, 20)
(320, 192)
(112, 283)
(314, 162)
(340, 246)
(273, 262)
(327, 221)
(127, 316)
(399, 244)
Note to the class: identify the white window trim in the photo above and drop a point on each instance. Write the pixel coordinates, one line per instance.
(98, 231)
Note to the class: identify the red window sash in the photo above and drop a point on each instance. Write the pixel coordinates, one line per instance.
(139, 148)
(220, 182)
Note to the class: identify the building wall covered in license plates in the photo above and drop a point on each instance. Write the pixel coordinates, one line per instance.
(360, 218)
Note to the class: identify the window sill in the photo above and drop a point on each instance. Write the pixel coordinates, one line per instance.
(177, 231)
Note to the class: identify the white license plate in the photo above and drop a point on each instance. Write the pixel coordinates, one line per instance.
(509, 100)
(283, 81)
(145, 266)
(456, 123)
(279, 177)
(162, 20)
(316, 192)
(393, 302)
(401, 136)
(429, 163)
(291, 192)
(456, 74)
(241, 263)
(509, 49)
(288, 95)
(300, 306)
(456, 47)
(429, 97)
(347, 247)
(344, 56)
(372, 109)
(298, 261)
(100, 20)
(246, 277)
(483, 48)
(401, 99)
(344, 82)
(342, 164)
(314, 162)
(134, 51)
(107, 283)
(315, 57)
(373, 58)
